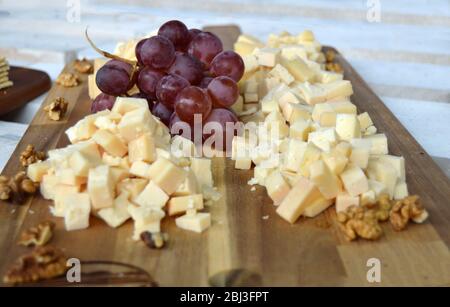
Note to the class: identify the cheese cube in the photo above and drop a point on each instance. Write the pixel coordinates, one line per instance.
(294, 155)
(277, 187)
(36, 171)
(251, 86)
(398, 163)
(135, 123)
(312, 153)
(364, 121)
(179, 205)
(238, 106)
(302, 195)
(329, 76)
(244, 48)
(335, 161)
(354, 180)
(341, 88)
(260, 174)
(118, 213)
(67, 176)
(166, 175)
(360, 157)
(286, 96)
(142, 149)
(152, 196)
(377, 187)
(321, 108)
(269, 104)
(328, 119)
(59, 193)
(300, 129)
(312, 93)
(77, 211)
(317, 207)
(140, 169)
(267, 56)
(131, 186)
(324, 139)
(401, 190)
(345, 200)
(85, 128)
(347, 126)
(379, 144)
(189, 185)
(293, 112)
(250, 63)
(243, 163)
(145, 219)
(343, 106)
(293, 51)
(126, 104)
(108, 122)
(47, 186)
(370, 131)
(250, 97)
(282, 73)
(298, 69)
(202, 170)
(327, 182)
(80, 164)
(368, 198)
(343, 148)
(384, 173)
(110, 143)
(100, 187)
(118, 174)
(197, 222)
(93, 89)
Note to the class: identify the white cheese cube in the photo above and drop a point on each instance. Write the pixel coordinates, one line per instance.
(335, 161)
(345, 200)
(244, 163)
(84, 128)
(329, 76)
(131, 186)
(343, 148)
(324, 139)
(194, 222)
(354, 180)
(152, 196)
(118, 213)
(300, 129)
(250, 63)
(142, 149)
(401, 190)
(378, 188)
(77, 211)
(360, 157)
(36, 171)
(59, 194)
(367, 198)
(135, 123)
(294, 155)
(126, 104)
(189, 185)
(347, 126)
(370, 131)
(260, 174)
(67, 176)
(311, 154)
(302, 195)
(298, 69)
(140, 169)
(202, 170)
(269, 104)
(166, 175)
(293, 51)
(47, 186)
(294, 111)
(250, 97)
(327, 182)
(180, 204)
(277, 187)
(110, 143)
(80, 164)
(379, 144)
(100, 187)
(317, 207)
(282, 73)
(398, 163)
(364, 121)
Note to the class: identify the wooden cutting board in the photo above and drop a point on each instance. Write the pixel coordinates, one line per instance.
(242, 247)
(28, 84)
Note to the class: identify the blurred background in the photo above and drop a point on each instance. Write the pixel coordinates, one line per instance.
(400, 47)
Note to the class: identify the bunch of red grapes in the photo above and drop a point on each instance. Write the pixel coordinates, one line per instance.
(181, 72)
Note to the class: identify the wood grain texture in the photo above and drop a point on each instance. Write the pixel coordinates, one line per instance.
(28, 84)
(242, 247)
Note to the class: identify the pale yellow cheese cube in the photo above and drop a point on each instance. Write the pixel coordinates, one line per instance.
(179, 205)
(85, 128)
(202, 170)
(325, 138)
(250, 63)
(194, 222)
(321, 108)
(384, 173)
(68, 176)
(329, 76)
(364, 120)
(47, 186)
(343, 106)
(345, 200)
(243, 163)
(360, 157)
(343, 148)
(244, 48)
(36, 171)
(269, 104)
(166, 175)
(189, 185)
(268, 56)
(312, 153)
(317, 207)
(77, 211)
(145, 219)
(294, 111)
(80, 164)
(367, 198)
(325, 180)
(260, 174)
(300, 129)
(142, 149)
(140, 169)
(250, 97)
(277, 187)
(101, 187)
(302, 195)
(377, 187)
(110, 143)
(127, 104)
(335, 161)
(370, 131)
(401, 190)
(379, 144)
(354, 180)
(293, 51)
(328, 119)
(298, 69)
(294, 155)
(135, 123)
(341, 88)
(118, 213)
(398, 163)
(152, 196)
(93, 89)
(59, 193)
(131, 186)
(238, 106)
(282, 73)
(118, 174)
(284, 96)
(347, 126)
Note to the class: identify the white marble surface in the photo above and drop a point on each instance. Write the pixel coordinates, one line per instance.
(405, 58)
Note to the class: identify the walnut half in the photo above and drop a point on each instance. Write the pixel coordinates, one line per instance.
(68, 80)
(44, 262)
(38, 235)
(30, 156)
(360, 222)
(83, 66)
(56, 109)
(406, 209)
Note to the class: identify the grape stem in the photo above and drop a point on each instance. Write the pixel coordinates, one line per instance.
(107, 54)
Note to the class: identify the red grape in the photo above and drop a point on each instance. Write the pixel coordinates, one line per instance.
(193, 33)
(168, 88)
(223, 91)
(176, 32)
(164, 113)
(228, 63)
(138, 50)
(192, 100)
(188, 67)
(147, 80)
(222, 117)
(205, 46)
(179, 127)
(157, 52)
(205, 81)
(102, 102)
(113, 80)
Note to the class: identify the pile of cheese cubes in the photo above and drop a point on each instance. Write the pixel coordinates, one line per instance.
(123, 164)
(322, 152)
